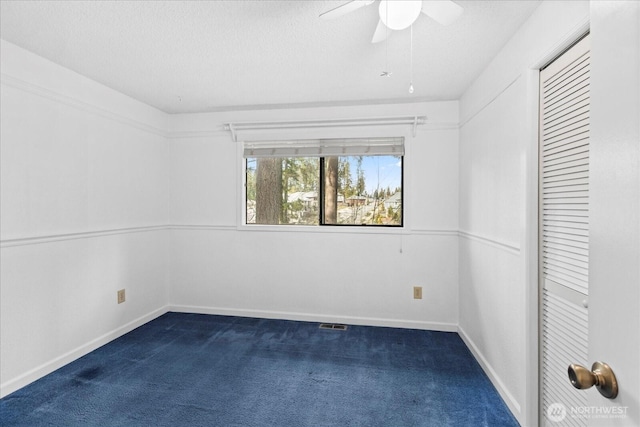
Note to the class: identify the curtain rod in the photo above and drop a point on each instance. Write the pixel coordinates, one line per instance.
(414, 121)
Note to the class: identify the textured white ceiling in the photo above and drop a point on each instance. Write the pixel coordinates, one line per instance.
(196, 56)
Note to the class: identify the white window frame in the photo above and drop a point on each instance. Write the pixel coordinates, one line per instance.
(391, 131)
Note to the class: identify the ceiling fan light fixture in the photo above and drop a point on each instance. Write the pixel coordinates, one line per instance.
(399, 14)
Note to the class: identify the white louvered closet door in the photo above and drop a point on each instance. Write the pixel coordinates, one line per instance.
(564, 230)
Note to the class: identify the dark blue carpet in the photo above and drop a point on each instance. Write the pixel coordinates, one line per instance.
(199, 370)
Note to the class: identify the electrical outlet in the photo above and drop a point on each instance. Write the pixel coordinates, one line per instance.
(121, 296)
(417, 292)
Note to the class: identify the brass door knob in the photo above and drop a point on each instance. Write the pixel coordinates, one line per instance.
(600, 375)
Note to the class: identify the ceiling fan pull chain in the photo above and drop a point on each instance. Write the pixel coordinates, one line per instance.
(411, 61)
(386, 44)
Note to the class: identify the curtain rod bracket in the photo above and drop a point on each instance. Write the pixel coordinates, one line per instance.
(230, 128)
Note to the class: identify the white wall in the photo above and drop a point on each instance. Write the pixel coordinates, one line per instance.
(83, 211)
(497, 295)
(614, 199)
(351, 275)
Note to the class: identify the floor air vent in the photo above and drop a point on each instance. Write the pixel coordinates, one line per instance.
(333, 326)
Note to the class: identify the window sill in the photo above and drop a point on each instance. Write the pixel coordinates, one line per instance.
(344, 229)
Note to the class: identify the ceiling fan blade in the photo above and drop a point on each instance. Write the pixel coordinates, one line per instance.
(382, 32)
(442, 11)
(345, 8)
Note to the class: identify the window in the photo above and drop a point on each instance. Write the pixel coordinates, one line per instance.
(325, 182)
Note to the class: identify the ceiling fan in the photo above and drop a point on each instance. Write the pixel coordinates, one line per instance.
(400, 14)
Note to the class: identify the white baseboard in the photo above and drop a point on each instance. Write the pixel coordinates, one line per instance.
(508, 398)
(306, 317)
(14, 384)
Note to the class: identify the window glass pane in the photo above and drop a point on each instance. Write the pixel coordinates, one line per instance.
(363, 190)
(282, 190)
(353, 190)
